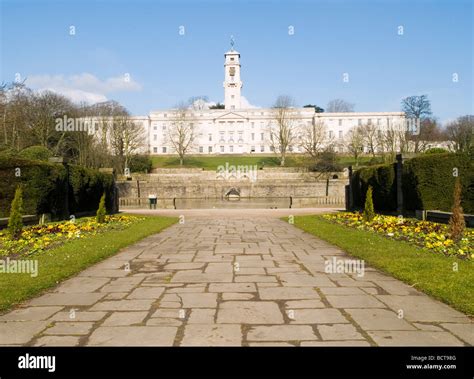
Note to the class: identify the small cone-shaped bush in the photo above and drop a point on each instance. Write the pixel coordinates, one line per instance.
(15, 221)
(456, 221)
(101, 212)
(369, 213)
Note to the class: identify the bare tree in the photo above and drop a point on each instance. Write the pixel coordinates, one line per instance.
(370, 137)
(354, 141)
(198, 102)
(282, 132)
(393, 139)
(182, 132)
(461, 132)
(314, 139)
(127, 139)
(429, 132)
(418, 107)
(339, 105)
(16, 100)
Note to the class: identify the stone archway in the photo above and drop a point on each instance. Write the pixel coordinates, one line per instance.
(232, 194)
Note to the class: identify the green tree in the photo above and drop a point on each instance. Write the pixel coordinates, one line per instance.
(39, 153)
(15, 222)
(369, 212)
(316, 108)
(101, 212)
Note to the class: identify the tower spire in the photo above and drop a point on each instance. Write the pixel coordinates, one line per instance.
(232, 82)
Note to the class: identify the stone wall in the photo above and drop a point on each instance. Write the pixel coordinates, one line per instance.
(268, 183)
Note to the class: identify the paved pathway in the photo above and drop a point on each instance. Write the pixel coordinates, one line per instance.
(249, 280)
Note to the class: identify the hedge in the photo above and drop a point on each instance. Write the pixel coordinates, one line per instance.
(428, 183)
(382, 180)
(44, 187)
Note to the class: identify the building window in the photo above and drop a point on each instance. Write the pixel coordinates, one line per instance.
(379, 121)
(222, 149)
(331, 134)
(232, 97)
(262, 149)
(231, 149)
(340, 122)
(232, 59)
(164, 150)
(201, 149)
(164, 127)
(261, 136)
(155, 150)
(210, 137)
(209, 149)
(340, 134)
(359, 122)
(253, 136)
(155, 127)
(252, 124)
(165, 115)
(369, 121)
(155, 137)
(252, 149)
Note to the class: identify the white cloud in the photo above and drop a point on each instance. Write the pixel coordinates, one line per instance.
(83, 87)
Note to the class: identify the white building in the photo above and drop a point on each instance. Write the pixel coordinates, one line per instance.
(238, 130)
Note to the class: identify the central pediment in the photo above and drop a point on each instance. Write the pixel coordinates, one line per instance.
(230, 116)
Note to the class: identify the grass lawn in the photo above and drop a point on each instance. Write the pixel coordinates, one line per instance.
(212, 162)
(424, 270)
(59, 263)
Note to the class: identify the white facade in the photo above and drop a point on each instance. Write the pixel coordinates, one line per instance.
(235, 130)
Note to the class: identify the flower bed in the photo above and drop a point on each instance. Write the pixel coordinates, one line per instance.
(426, 234)
(38, 238)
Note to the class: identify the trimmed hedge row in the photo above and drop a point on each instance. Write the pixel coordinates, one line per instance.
(382, 180)
(428, 183)
(44, 187)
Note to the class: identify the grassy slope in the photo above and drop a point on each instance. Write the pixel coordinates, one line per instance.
(74, 256)
(428, 272)
(212, 162)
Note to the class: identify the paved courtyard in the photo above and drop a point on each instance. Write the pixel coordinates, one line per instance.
(242, 279)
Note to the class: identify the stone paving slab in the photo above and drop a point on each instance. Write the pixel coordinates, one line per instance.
(243, 279)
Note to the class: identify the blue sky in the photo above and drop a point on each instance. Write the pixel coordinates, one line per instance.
(142, 39)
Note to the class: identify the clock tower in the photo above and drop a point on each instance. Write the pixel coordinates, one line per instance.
(232, 82)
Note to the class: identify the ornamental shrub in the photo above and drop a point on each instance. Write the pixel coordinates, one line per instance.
(38, 153)
(456, 221)
(101, 212)
(15, 221)
(369, 213)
